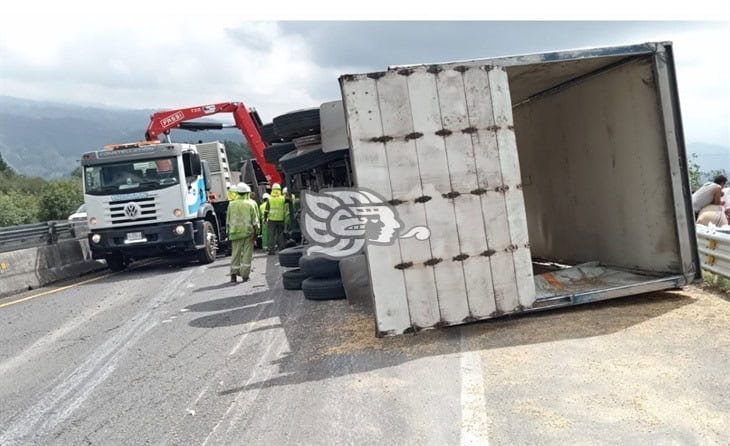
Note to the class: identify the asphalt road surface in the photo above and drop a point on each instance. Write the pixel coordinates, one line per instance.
(174, 355)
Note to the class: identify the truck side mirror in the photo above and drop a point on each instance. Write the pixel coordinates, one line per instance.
(191, 163)
(206, 175)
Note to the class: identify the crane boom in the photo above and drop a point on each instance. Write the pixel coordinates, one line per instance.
(164, 121)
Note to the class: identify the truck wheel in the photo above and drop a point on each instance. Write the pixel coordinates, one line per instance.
(276, 151)
(297, 123)
(323, 289)
(292, 279)
(207, 254)
(116, 262)
(319, 266)
(267, 134)
(298, 161)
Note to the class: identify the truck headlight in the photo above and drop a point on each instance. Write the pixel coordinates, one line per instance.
(177, 213)
(96, 238)
(92, 221)
(179, 229)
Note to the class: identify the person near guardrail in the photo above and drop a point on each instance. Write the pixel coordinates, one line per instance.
(275, 215)
(709, 193)
(712, 214)
(242, 224)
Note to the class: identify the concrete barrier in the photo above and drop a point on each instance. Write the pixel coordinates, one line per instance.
(31, 268)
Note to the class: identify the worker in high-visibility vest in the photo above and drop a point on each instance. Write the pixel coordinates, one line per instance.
(242, 224)
(264, 223)
(231, 195)
(275, 214)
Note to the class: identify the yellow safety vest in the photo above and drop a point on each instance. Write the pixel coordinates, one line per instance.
(276, 208)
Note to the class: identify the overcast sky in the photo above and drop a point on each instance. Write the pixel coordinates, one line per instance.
(280, 66)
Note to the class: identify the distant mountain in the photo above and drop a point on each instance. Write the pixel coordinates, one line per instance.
(710, 156)
(46, 139)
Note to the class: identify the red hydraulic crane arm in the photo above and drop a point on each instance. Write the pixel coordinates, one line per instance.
(162, 122)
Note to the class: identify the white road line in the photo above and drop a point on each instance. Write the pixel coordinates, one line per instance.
(474, 426)
(52, 410)
(264, 357)
(42, 344)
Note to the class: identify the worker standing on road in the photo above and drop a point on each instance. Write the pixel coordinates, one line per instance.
(274, 215)
(264, 223)
(242, 224)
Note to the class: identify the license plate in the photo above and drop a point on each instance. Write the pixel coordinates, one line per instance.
(134, 237)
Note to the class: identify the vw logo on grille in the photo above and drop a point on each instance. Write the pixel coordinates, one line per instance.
(131, 210)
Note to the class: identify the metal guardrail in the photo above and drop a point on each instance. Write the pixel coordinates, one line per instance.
(714, 248)
(32, 235)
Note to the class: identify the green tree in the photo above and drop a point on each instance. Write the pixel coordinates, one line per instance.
(17, 208)
(4, 167)
(714, 173)
(59, 199)
(695, 175)
(235, 152)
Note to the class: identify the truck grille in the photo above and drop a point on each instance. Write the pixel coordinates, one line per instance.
(132, 211)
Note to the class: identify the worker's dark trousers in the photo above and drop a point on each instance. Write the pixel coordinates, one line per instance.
(276, 235)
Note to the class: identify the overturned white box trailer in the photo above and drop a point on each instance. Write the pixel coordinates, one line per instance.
(546, 180)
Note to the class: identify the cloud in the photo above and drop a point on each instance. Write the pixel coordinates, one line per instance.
(120, 60)
(190, 63)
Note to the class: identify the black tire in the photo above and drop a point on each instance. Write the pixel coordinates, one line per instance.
(302, 160)
(323, 289)
(297, 123)
(267, 134)
(208, 253)
(289, 257)
(275, 151)
(293, 278)
(319, 266)
(116, 262)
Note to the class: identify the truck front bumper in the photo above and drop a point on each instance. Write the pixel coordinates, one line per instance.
(146, 240)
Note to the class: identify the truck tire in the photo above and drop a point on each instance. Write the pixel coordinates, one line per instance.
(289, 257)
(116, 262)
(209, 251)
(297, 123)
(302, 160)
(275, 151)
(323, 289)
(293, 278)
(267, 134)
(319, 266)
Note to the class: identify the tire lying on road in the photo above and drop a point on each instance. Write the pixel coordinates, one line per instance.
(323, 289)
(297, 123)
(293, 279)
(289, 257)
(273, 152)
(319, 266)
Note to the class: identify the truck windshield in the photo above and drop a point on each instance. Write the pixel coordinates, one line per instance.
(131, 176)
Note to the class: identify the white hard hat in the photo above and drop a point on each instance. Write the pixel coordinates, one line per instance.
(276, 186)
(243, 188)
(284, 190)
(265, 195)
